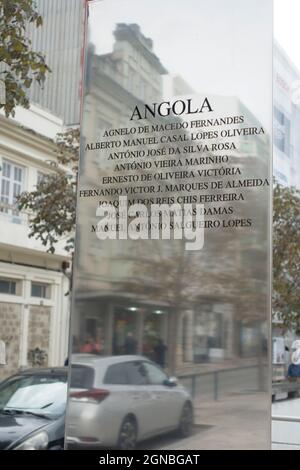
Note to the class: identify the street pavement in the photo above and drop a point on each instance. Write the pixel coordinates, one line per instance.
(234, 423)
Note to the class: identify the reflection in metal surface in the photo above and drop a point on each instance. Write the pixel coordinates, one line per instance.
(151, 308)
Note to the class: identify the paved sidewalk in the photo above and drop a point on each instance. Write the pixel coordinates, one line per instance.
(234, 423)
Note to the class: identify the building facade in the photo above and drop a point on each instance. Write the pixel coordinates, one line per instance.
(286, 161)
(286, 120)
(34, 300)
(61, 40)
(34, 307)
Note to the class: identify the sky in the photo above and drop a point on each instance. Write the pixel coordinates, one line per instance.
(209, 43)
(286, 27)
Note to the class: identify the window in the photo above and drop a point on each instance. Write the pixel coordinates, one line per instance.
(282, 130)
(136, 373)
(40, 177)
(12, 177)
(8, 286)
(281, 177)
(155, 375)
(116, 375)
(40, 290)
(129, 373)
(279, 116)
(82, 377)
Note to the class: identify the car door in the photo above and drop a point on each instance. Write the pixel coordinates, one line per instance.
(167, 400)
(141, 397)
(129, 394)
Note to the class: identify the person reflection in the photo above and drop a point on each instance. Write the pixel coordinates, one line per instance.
(160, 353)
(130, 344)
(91, 346)
(294, 368)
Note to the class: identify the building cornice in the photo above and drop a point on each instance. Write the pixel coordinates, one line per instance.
(12, 134)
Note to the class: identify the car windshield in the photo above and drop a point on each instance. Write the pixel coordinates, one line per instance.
(43, 395)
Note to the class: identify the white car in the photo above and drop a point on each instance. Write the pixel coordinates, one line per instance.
(121, 400)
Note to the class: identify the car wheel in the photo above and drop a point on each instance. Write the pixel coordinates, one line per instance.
(186, 420)
(128, 434)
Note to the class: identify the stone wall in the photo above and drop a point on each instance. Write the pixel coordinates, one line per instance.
(39, 334)
(10, 333)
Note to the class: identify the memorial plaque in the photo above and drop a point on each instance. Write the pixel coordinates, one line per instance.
(171, 295)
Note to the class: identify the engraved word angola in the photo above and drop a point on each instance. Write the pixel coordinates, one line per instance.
(166, 108)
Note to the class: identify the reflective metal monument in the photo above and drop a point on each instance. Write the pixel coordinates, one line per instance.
(172, 263)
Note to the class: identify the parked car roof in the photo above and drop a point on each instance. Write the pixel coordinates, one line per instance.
(44, 370)
(93, 359)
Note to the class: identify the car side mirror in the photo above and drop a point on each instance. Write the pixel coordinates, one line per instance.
(171, 382)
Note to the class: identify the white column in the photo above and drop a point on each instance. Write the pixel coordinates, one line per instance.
(64, 324)
(54, 333)
(23, 362)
